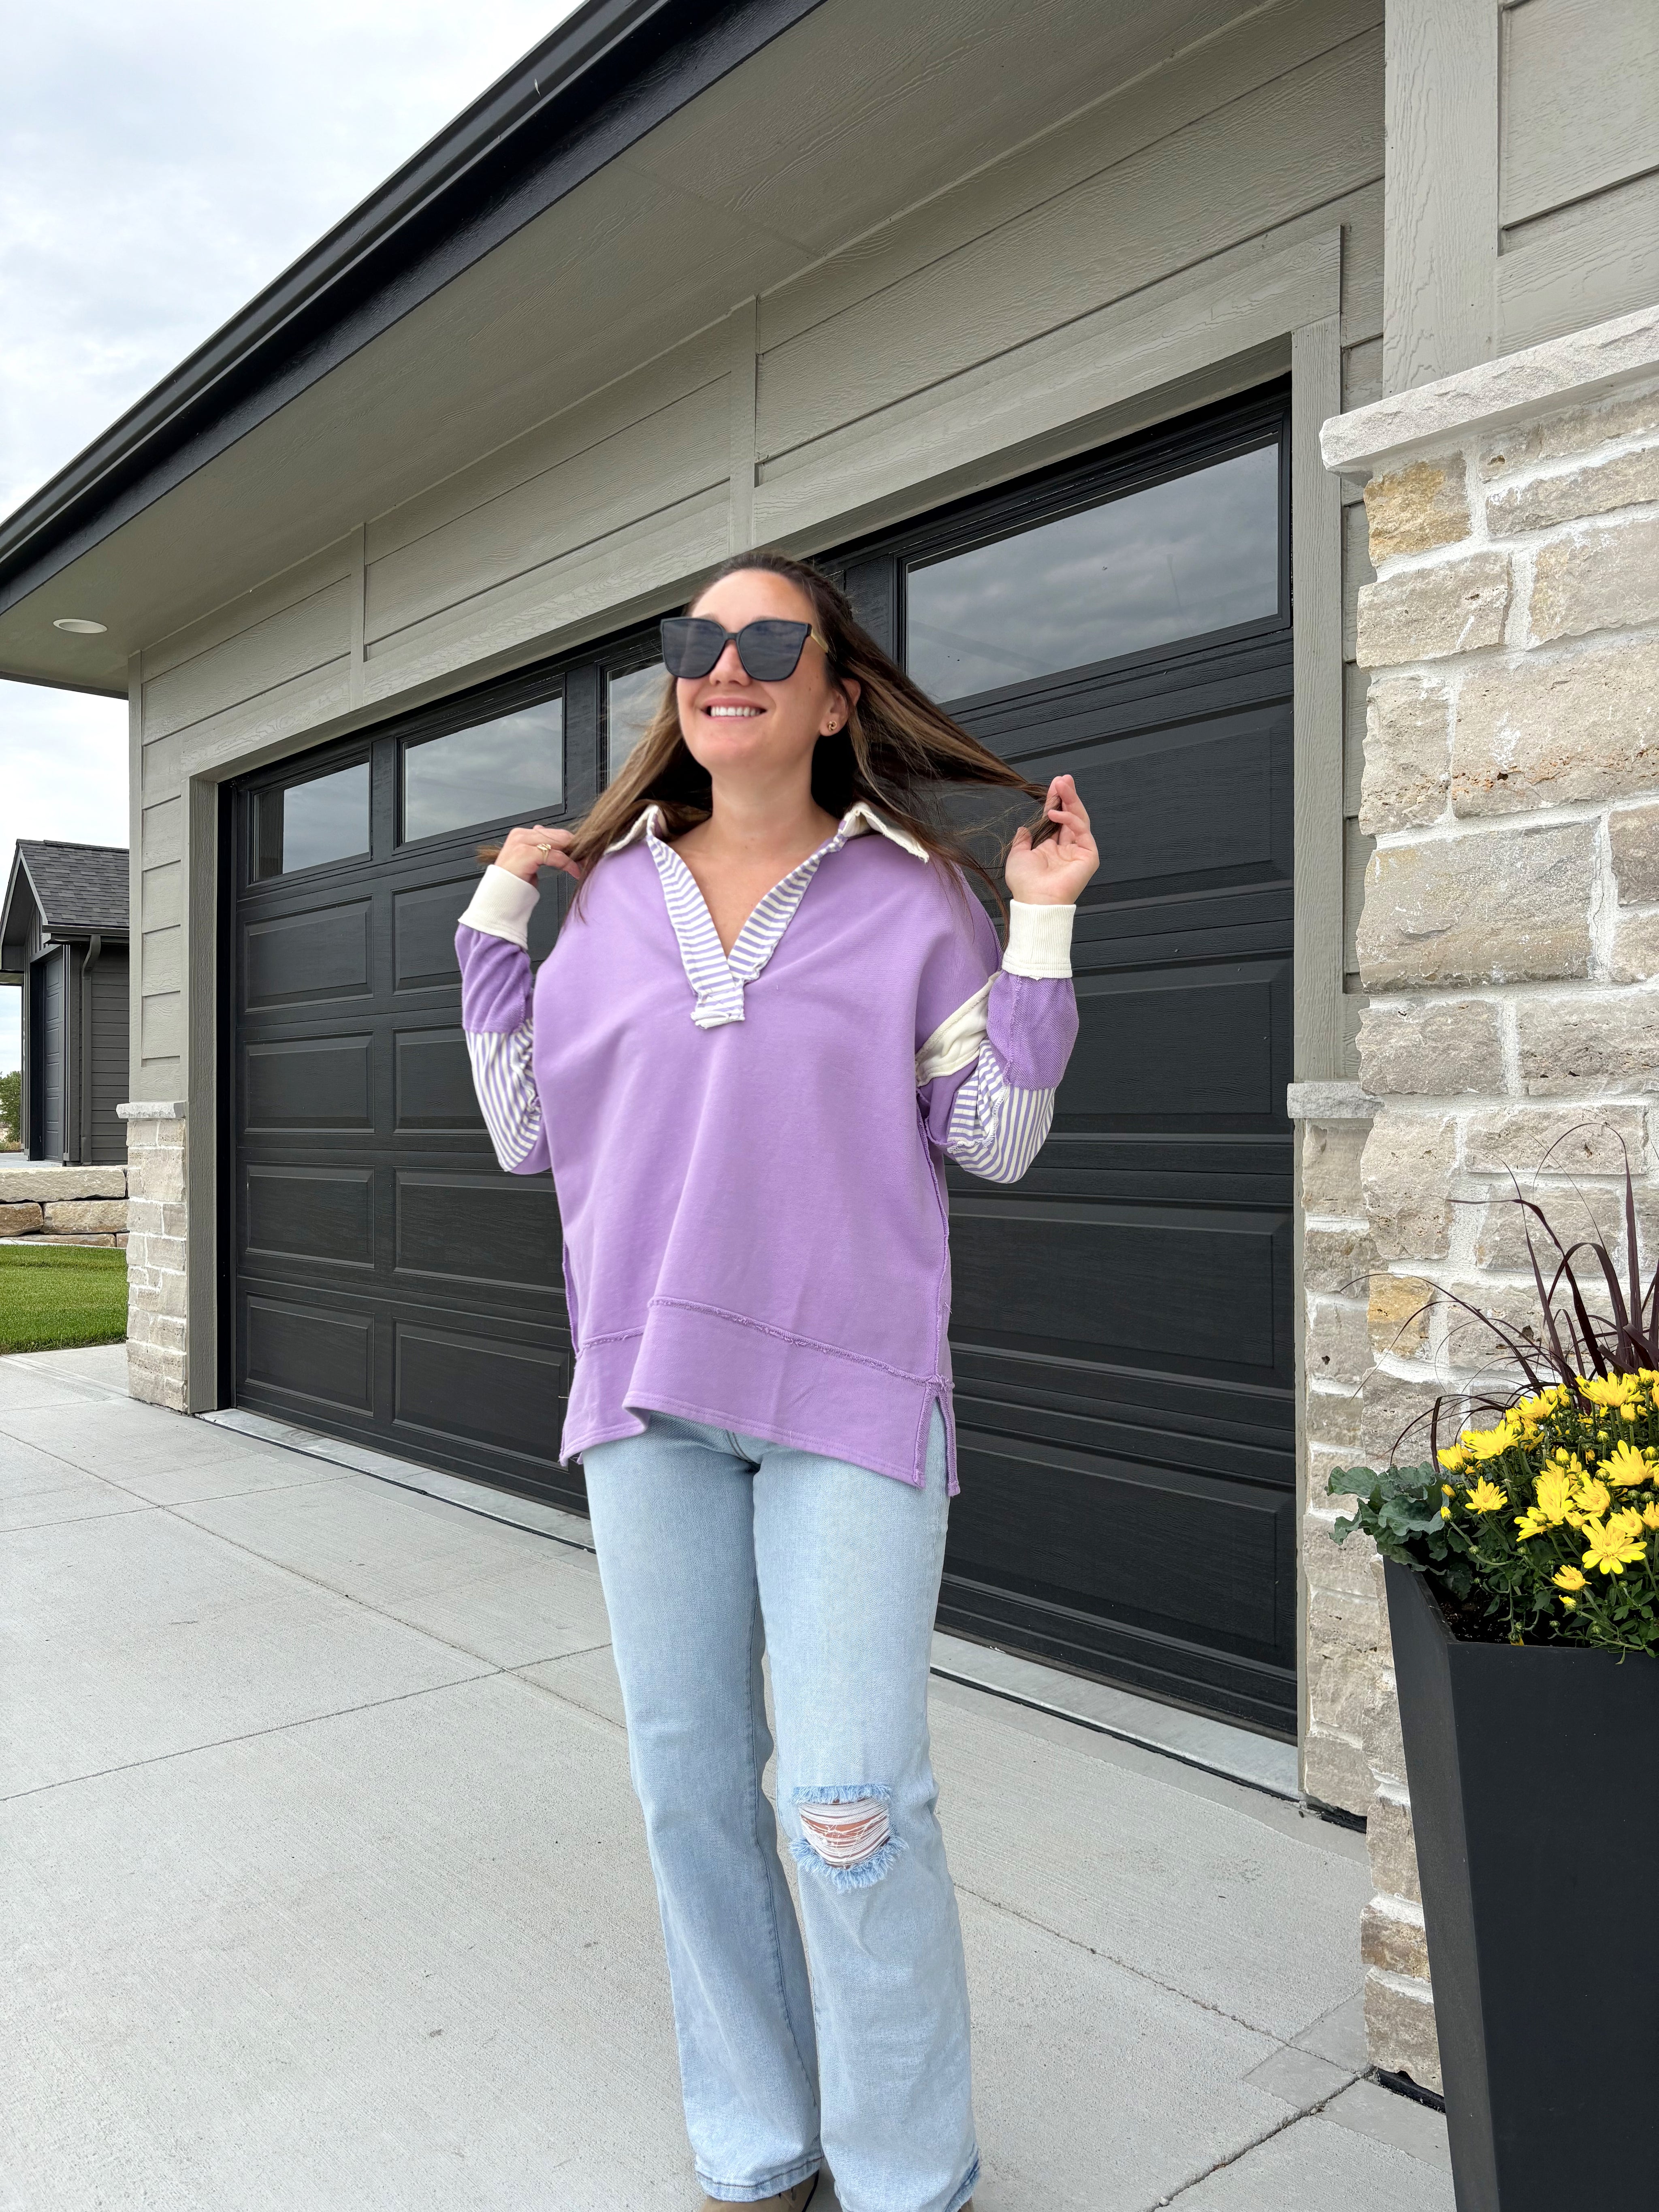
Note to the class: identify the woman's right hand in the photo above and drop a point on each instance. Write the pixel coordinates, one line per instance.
(526, 850)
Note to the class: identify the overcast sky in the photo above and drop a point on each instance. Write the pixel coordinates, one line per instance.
(159, 165)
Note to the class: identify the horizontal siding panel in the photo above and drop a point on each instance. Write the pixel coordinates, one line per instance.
(162, 1025)
(1580, 267)
(258, 660)
(282, 588)
(161, 896)
(162, 956)
(596, 587)
(159, 768)
(1307, 138)
(1238, 312)
(682, 450)
(1581, 102)
(162, 829)
(284, 711)
(1132, 117)
(631, 400)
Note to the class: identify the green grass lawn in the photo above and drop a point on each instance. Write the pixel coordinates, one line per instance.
(53, 1295)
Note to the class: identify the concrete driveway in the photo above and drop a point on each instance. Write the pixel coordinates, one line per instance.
(325, 1890)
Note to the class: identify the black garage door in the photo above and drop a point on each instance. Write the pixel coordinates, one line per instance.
(1122, 1333)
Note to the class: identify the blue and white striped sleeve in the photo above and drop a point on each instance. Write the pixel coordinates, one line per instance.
(1008, 1046)
(491, 944)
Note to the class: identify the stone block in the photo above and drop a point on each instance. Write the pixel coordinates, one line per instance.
(1385, 1749)
(1334, 1772)
(1399, 2035)
(1444, 1049)
(1336, 1347)
(1575, 430)
(1635, 957)
(158, 1174)
(1405, 1172)
(1426, 614)
(1407, 754)
(163, 1330)
(1553, 733)
(83, 1214)
(1595, 1140)
(1350, 1566)
(1633, 835)
(1324, 1460)
(19, 1220)
(1573, 1212)
(1392, 1936)
(157, 1376)
(1508, 907)
(1397, 1315)
(1337, 1262)
(144, 1217)
(104, 1237)
(1332, 1417)
(1583, 1042)
(41, 1180)
(1394, 1419)
(1330, 1167)
(1606, 578)
(1393, 1845)
(1472, 1345)
(1341, 1685)
(1628, 479)
(1416, 508)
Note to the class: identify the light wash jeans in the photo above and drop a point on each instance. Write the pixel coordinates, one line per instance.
(712, 1546)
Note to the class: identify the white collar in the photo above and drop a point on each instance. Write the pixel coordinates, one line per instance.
(860, 816)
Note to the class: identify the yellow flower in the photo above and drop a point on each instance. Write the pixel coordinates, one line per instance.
(1650, 1515)
(1451, 1459)
(1626, 1467)
(1486, 1497)
(1530, 1523)
(1569, 1578)
(1534, 1409)
(1609, 1389)
(1445, 1513)
(1627, 1523)
(1592, 1496)
(1571, 1603)
(1552, 1495)
(1487, 1443)
(1610, 1549)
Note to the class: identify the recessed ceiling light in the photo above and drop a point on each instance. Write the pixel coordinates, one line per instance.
(78, 626)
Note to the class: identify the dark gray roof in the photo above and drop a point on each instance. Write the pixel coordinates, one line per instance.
(78, 887)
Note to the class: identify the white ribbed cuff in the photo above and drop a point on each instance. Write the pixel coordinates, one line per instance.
(501, 907)
(1039, 941)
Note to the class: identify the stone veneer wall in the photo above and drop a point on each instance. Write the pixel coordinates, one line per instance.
(43, 1202)
(156, 1252)
(1509, 943)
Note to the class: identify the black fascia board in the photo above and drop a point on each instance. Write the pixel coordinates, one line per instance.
(609, 74)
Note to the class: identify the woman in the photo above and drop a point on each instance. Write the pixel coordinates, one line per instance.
(774, 1011)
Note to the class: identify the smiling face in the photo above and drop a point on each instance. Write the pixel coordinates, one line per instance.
(733, 723)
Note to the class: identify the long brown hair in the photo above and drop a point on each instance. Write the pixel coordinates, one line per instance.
(895, 751)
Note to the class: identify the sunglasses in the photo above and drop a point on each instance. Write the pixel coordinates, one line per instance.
(770, 651)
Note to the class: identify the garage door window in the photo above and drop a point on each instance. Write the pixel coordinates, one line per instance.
(317, 819)
(1196, 554)
(513, 765)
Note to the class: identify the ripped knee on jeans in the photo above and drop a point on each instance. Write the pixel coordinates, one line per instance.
(846, 1838)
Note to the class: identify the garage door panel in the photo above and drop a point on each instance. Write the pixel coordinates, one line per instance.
(1105, 1282)
(423, 931)
(1035, 1405)
(308, 1083)
(1180, 1047)
(461, 1382)
(298, 959)
(481, 1228)
(1163, 1548)
(316, 1214)
(434, 1081)
(310, 1351)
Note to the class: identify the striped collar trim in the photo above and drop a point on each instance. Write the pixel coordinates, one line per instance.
(717, 979)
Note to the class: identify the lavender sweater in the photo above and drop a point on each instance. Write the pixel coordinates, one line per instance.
(748, 1151)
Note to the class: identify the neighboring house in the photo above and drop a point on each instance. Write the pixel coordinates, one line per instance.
(1026, 321)
(64, 944)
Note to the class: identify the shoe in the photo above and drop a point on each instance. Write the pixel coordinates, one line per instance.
(791, 2200)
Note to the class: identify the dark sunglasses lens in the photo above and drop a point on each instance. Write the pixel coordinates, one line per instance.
(691, 644)
(770, 651)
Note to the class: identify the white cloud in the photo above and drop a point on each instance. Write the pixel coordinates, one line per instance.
(158, 166)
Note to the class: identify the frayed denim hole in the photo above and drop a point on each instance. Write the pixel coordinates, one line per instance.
(846, 1841)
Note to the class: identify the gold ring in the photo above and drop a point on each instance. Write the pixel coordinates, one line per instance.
(544, 850)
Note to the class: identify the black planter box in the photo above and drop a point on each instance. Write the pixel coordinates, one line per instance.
(1534, 1784)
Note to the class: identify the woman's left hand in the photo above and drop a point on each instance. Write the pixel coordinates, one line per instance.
(1054, 872)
